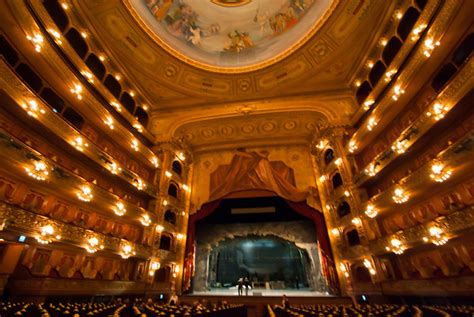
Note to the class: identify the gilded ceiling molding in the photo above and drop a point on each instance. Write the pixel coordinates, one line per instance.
(231, 70)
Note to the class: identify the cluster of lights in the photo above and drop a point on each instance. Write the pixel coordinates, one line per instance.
(84, 34)
(438, 111)
(370, 64)
(389, 75)
(93, 245)
(56, 35)
(368, 103)
(180, 236)
(436, 236)
(114, 168)
(145, 220)
(139, 184)
(397, 92)
(185, 187)
(396, 246)
(77, 90)
(400, 196)
(352, 146)
(417, 31)
(370, 211)
(155, 266)
(322, 178)
(116, 106)
(344, 270)
(119, 209)
(430, 45)
(102, 57)
(127, 251)
(369, 266)
(85, 194)
(168, 174)
(79, 143)
(176, 270)
(109, 121)
(321, 144)
(32, 108)
(335, 232)
(47, 235)
(347, 193)
(159, 228)
(134, 144)
(37, 40)
(371, 124)
(39, 172)
(439, 173)
(338, 162)
(400, 146)
(155, 162)
(372, 169)
(181, 156)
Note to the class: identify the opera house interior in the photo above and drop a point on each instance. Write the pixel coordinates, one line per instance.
(236, 158)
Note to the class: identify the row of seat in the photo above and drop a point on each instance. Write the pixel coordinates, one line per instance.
(15, 309)
(371, 310)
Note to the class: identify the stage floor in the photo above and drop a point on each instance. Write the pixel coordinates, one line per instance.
(232, 291)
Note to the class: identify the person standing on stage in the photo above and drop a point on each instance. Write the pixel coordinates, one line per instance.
(247, 286)
(240, 284)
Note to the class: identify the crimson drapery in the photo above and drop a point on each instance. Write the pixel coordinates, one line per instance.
(302, 208)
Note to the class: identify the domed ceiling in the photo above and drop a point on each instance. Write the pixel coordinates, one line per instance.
(231, 35)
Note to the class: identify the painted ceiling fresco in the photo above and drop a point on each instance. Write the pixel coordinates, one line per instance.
(231, 33)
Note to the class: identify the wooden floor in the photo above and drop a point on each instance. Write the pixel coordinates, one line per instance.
(256, 304)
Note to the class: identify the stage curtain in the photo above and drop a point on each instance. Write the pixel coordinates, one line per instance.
(252, 170)
(327, 263)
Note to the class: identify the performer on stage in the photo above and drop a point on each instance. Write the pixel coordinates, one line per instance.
(247, 286)
(240, 284)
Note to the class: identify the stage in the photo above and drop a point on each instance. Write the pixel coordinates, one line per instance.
(232, 291)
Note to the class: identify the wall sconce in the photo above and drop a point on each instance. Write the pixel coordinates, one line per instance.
(347, 193)
(134, 144)
(430, 46)
(145, 220)
(119, 209)
(77, 90)
(400, 146)
(181, 156)
(371, 124)
(176, 270)
(39, 172)
(159, 228)
(185, 187)
(397, 92)
(109, 122)
(436, 236)
(399, 195)
(168, 174)
(344, 270)
(138, 127)
(88, 75)
(154, 266)
(180, 236)
(322, 178)
(338, 162)
(85, 194)
(368, 103)
(439, 173)
(155, 162)
(93, 245)
(138, 183)
(352, 146)
(335, 232)
(47, 235)
(389, 75)
(79, 143)
(371, 170)
(56, 35)
(396, 246)
(165, 202)
(417, 31)
(114, 168)
(37, 40)
(438, 111)
(116, 106)
(127, 251)
(371, 212)
(356, 221)
(32, 108)
(369, 266)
